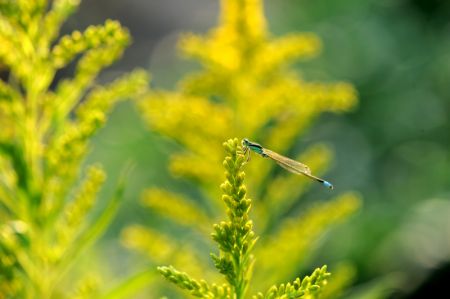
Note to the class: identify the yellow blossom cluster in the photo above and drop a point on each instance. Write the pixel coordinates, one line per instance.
(245, 88)
(46, 216)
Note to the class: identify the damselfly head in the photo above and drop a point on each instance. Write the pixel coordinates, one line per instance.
(245, 142)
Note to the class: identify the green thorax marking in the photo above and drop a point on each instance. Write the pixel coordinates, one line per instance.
(254, 147)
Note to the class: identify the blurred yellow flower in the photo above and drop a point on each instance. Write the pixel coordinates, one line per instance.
(246, 89)
(45, 221)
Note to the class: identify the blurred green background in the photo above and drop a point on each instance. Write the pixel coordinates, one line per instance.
(393, 148)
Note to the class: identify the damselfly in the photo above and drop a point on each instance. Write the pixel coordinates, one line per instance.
(288, 164)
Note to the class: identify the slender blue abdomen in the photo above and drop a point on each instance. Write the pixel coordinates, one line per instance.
(327, 184)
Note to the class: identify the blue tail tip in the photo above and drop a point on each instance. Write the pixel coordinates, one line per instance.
(328, 185)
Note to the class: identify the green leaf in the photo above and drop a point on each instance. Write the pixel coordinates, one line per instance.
(131, 285)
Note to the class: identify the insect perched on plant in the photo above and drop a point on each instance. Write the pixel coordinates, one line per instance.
(288, 164)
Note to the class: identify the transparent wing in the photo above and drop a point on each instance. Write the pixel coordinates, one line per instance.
(288, 164)
(294, 167)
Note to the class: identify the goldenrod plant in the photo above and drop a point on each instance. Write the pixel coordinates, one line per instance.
(235, 238)
(246, 88)
(46, 199)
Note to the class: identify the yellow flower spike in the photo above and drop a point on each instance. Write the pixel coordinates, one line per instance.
(302, 232)
(156, 245)
(44, 138)
(148, 242)
(244, 16)
(286, 49)
(343, 276)
(235, 239)
(195, 168)
(83, 201)
(169, 111)
(59, 11)
(247, 88)
(177, 207)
